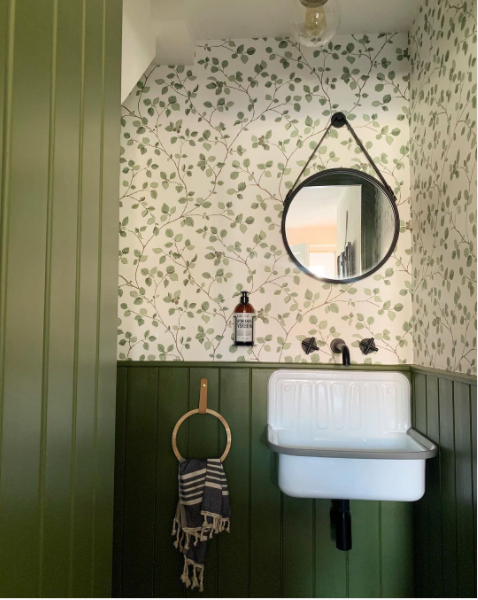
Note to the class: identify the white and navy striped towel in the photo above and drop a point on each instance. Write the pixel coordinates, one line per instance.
(203, 510)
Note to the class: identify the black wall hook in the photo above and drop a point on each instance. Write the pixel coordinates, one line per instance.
(338, 120)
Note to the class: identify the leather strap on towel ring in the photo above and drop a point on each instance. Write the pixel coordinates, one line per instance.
(202, 410)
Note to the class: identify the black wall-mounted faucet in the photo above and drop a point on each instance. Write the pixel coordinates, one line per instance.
(338, 346)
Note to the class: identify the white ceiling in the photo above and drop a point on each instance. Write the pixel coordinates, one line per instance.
(178, 24)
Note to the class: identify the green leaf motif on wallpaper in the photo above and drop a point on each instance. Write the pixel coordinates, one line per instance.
(209, 153)
(443, 164)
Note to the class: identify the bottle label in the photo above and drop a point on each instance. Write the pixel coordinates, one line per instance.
(244, 327)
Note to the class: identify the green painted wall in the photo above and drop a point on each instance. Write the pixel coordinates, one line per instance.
(59, 152)
(278, 546)
(445, 518)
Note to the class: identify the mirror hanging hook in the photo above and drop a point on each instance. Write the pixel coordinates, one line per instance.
(367, 155)
(314, 152)
(338, 120)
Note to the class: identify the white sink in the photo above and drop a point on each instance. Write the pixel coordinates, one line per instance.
(346, 434)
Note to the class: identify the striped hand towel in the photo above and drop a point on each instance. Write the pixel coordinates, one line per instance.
(203, 510)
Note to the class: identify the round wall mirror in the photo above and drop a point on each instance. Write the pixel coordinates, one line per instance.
(340, 225)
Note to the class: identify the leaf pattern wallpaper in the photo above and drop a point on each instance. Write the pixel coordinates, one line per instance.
(443, 174)
(208, 155)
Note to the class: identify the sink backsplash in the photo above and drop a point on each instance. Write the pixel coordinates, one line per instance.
(209, 153)
(339, 403)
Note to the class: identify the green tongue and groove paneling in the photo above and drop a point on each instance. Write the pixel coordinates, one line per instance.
(445, 518)
(59, 157)
(278, 546)
(281, 546)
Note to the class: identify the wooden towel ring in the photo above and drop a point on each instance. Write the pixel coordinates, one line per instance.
(202, 410)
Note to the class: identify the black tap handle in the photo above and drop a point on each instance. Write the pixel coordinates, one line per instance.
(309, 345)
(368, 345)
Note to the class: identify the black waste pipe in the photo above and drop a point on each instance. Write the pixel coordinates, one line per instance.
(342, 521)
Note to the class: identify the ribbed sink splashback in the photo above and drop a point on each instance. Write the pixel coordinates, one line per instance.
(357, 404)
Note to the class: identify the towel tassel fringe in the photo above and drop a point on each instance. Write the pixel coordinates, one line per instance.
(196, 578)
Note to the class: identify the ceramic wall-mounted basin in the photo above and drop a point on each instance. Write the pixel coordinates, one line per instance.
(346, 434)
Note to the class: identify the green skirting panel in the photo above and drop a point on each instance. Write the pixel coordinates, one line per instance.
(278, 546)
(445, 518)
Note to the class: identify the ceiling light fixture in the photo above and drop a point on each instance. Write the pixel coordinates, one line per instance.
(322, 19)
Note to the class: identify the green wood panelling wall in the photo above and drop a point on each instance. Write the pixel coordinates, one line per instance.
(59, 151)
(278, 546)
(445, 518)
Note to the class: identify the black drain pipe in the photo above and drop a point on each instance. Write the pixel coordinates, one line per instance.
(342, 522)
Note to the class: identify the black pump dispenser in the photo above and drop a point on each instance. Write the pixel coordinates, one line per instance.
(244, 297)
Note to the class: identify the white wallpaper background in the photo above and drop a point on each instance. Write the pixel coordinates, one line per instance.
(443, 170)
(208, 154)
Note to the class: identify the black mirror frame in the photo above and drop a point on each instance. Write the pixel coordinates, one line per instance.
(315, 178)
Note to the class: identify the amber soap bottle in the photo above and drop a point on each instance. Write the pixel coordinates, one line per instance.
(244, 322)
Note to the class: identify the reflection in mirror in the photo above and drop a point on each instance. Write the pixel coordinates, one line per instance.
(341, 226)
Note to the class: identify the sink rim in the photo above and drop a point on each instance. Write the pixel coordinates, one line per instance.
(429, 450)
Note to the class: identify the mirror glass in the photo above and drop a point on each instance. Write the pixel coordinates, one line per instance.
(340, 225)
